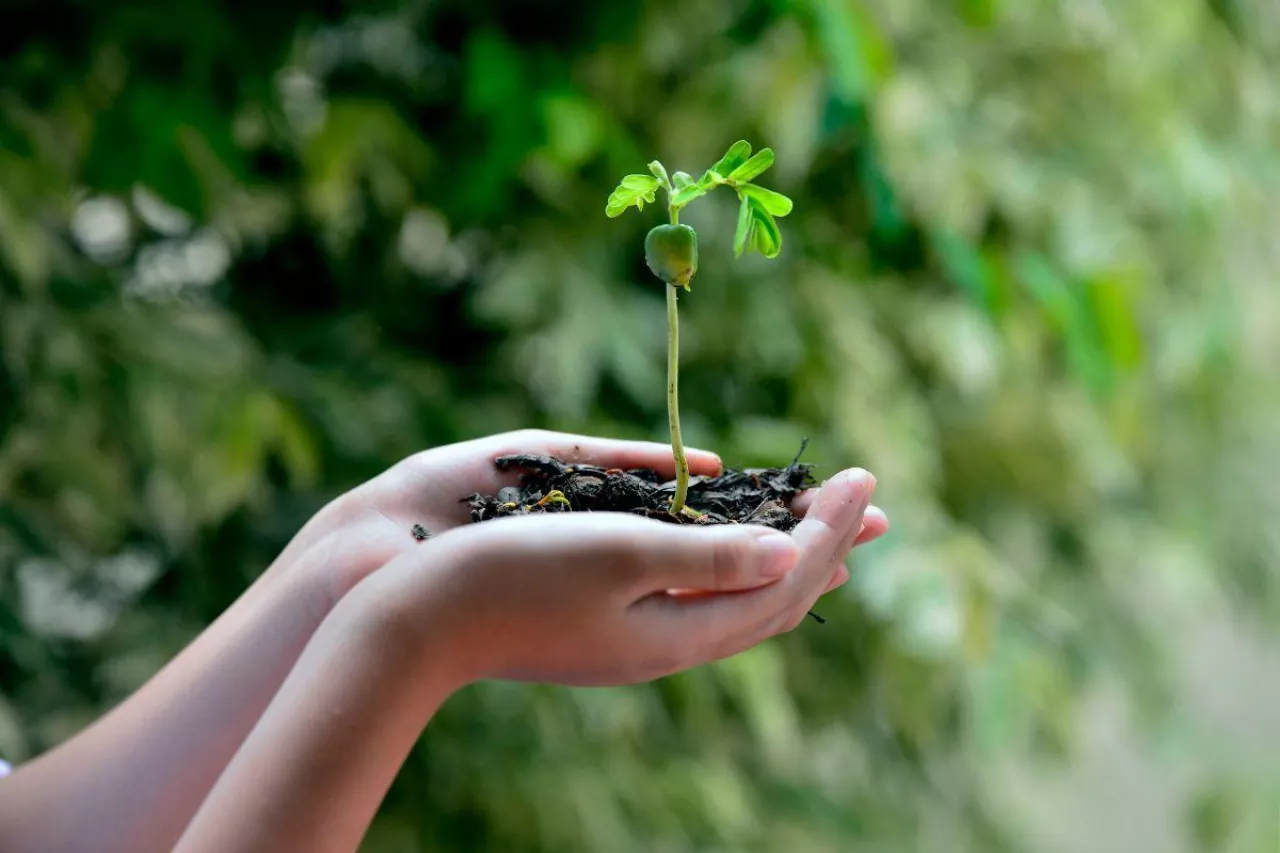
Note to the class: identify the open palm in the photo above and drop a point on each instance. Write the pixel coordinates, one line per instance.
(369, 526)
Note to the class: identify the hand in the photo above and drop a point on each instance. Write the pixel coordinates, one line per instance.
(168, 742)
(370, 525)
(587, 599)
(577, 599)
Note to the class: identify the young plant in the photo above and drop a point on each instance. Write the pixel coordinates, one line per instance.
(671, 251)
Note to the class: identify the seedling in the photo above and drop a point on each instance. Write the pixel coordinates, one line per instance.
(752, 496)
(671, 250)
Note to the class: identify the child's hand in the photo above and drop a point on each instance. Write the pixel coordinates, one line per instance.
(372, 524)
(583, 599)
(574, 598)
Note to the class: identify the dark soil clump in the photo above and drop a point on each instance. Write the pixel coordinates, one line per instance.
(753, 496)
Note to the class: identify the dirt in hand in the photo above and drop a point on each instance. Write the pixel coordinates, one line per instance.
(754, 496)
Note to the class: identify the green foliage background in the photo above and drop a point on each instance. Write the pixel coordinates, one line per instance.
(251, 256)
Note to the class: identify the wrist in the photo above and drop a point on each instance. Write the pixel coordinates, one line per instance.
(412, 634)
(321, 757)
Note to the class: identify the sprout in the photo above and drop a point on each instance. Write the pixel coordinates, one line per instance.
(671, 251)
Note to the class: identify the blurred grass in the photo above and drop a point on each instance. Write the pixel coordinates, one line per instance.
(250, 257)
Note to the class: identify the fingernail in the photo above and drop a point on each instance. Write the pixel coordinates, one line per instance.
(863, 478)
(777, 552)
(866, 486)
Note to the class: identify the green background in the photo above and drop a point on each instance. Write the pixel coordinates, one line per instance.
(252, 254)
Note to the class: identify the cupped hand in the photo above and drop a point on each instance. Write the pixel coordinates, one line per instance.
(371, 525)
(586, 599)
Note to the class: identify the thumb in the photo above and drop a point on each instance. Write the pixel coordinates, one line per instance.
(720, 558)
(643, 554)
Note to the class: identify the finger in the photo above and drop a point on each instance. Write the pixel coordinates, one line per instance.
(874, 525)
(839, 579)
(801, 503)
(603, 452)
(475, 459)
(738, 621)
(618, 565)
(639, 557)
(711, 560)
(828, 531)
(444, 476)
(874, 521)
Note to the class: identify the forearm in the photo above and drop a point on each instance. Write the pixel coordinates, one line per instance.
(132, 781)
(311, 775)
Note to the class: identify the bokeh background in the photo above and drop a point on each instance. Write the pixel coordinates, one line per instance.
(251, 254)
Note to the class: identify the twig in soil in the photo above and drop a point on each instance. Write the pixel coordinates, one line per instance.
(804, 444)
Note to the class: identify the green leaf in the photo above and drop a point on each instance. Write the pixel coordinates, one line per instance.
(746, 224)
(774, 202)
(1066, 313)
(733, 158)
(634, 189)
(660, 172)
(682, 180)
(640, 182)
(688, 194)
(710, 180)
(766, 237)
(754, 167)
(857, 49)
(1112, 300)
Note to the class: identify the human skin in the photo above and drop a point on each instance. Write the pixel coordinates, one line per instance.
(356, 597)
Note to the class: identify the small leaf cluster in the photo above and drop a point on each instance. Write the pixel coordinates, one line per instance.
(758, 209)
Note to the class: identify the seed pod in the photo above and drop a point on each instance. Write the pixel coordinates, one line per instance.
(671, 251)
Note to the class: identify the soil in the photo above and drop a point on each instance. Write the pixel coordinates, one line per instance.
(752, 496)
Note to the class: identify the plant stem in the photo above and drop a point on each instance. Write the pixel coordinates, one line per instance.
(673, 401)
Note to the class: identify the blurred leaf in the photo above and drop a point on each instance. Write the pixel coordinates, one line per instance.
(1067, 312)
(966, 267)
(363, 145)
(139, 140)
(574, 128)
(1113, 301)
(494, 73)
(979, 13)
(857, 49)
(297, 447)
